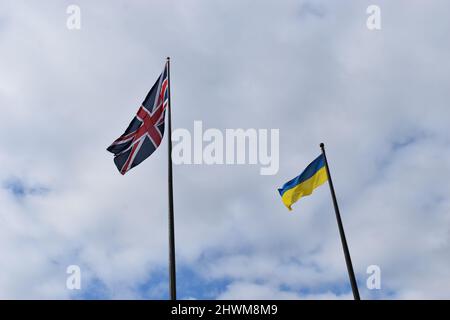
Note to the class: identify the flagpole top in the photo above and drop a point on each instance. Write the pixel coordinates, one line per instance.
(168, 58)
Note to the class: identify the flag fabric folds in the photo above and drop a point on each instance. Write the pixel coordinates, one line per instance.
(313, 176)
(146, 130)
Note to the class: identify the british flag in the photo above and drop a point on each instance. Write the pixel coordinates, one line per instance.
(146, 130)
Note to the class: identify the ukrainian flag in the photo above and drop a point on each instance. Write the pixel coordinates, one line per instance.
(313, 176)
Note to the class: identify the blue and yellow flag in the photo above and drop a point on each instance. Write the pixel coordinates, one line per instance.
(313, 176)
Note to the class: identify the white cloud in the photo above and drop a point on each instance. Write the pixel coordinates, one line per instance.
(251, 291)
(377, 99)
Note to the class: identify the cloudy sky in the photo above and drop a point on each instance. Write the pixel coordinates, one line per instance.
(312, 69)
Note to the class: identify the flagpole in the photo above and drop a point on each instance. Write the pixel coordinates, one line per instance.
(348, 260)
(172, 269)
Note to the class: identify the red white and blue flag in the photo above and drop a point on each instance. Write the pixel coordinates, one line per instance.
(146, 130)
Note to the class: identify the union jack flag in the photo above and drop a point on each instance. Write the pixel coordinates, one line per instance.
(146, 130)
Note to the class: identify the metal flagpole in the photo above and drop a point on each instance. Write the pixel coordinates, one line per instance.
(348, 260)
(172, 269)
